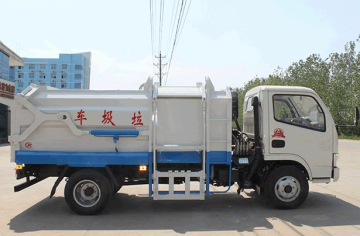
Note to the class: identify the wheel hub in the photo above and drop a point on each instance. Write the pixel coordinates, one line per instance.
(87, 193)
(287, 188)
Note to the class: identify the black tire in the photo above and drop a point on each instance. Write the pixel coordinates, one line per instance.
(286, 187)
(116, 189)
(88, 192)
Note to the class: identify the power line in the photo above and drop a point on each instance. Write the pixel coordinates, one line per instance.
(162, 3)
(183, 22)
(176, 25)
(176, 35)
(182, 26)
(172, 25)
(152, 26)
(155, 21)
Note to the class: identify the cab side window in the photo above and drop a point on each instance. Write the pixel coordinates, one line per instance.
(249, 106)
(299, 110)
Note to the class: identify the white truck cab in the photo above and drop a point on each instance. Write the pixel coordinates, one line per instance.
(295, 125)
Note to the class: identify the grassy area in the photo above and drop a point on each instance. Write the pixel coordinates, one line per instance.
(349, 137)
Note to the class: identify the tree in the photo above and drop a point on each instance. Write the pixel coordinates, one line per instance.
(336, 80)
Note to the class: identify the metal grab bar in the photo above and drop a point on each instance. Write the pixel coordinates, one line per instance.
(115, 134)
(112, 133)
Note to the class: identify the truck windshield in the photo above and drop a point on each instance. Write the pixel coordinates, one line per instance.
(303, 111)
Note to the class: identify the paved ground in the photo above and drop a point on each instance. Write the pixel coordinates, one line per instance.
(332, 209)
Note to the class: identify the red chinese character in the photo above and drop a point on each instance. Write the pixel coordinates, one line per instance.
(107, 118)
(136, 120)
(81, 116)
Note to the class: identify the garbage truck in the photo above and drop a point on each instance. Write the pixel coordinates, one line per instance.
(179, 141)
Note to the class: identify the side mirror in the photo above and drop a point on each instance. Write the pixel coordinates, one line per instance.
(235, 109)
(356, 121)
(235, 105)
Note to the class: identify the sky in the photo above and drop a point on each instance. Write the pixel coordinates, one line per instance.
(230, 41)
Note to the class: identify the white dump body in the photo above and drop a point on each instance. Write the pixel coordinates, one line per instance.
(167, 118)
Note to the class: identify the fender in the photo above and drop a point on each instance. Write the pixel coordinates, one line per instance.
(289, 157)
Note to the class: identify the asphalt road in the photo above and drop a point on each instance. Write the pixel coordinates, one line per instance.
(330, 209)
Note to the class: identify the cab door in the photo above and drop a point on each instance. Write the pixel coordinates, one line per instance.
(298, 126)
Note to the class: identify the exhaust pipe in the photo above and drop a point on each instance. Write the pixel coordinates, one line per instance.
(258, 152)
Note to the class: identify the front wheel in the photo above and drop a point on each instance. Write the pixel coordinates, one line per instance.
(286, 187)
(87, 192)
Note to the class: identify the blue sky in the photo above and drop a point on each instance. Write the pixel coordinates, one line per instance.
(230, 41)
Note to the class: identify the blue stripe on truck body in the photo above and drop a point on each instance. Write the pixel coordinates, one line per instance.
(83, 159)
(101, 159)
(179, 157)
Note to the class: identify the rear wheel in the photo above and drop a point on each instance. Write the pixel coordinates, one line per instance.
(286, 187)
(87, 192)
(117, 189)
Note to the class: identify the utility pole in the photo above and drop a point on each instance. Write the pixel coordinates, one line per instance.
(160, 66)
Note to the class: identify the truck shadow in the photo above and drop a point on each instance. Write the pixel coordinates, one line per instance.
(216, 213)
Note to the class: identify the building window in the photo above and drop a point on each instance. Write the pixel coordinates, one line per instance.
(53, 83)
(53, 75)
(77, 85)
(18, 90)
(42, 76)
(31, 75)
(31, 66)
(41, 82)
(63, 75)
(31, 82)
(21, 75)
(78, 76)
(64, 66)
(20, 67)
(20, 84)
(42, 66)
(53, 66)
(78, 67)
(63, 85)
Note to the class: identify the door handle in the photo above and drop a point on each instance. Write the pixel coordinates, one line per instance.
(278, 143)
